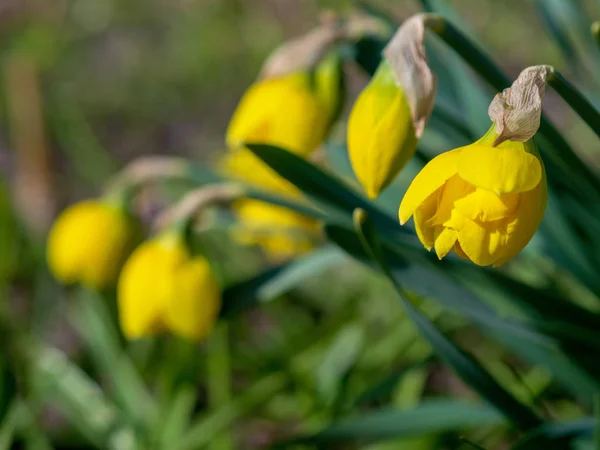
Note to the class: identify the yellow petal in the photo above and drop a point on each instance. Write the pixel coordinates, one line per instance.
(445, 241)
(381, 135)
(89, 242)
(485, 205)
(423, 214)
(143, 290)
(502, 170)
(454, 189)
(195, 299)
(526, 221)
(482, 243)
(428, 180)
(279, 231)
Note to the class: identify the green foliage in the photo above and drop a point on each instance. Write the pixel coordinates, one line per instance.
(317, 351)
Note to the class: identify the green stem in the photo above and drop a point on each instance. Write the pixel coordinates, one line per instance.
(485, 67)
(219, 379)
(575, 99)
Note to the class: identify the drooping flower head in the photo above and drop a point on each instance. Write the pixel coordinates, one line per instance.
(486, 200)
(390, 114)
(89, 242)
(296, 98)
(280, 232)
(164, 288)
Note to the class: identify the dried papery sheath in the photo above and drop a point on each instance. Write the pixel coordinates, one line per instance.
(516, 111)
(407, 58)
(303, 52)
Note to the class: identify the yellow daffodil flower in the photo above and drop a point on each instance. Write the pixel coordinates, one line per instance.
(280, 232)
(89, 242)
(297, 97)
(283, 112)
(390, 114)
(481, 201)
(164, 288)
(381, 135)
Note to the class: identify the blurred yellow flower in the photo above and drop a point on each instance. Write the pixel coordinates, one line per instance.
(381, 135)
(481, 201)
(89, 242)
(164, 288)
(280, 232)
(245, 166)
(282, 111)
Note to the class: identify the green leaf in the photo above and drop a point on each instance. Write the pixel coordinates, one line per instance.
(463, 364)
(277, 281)
(339, 359)
(436, 281)
(79, 398)
(325, 190)
(559, 433)
(93, 321)
(427, 418)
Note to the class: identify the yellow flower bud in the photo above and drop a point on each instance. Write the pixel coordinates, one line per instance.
(481, 201)
(381, 135)
(89, 242)
(280, 232)
(164, 288)
(284, 112)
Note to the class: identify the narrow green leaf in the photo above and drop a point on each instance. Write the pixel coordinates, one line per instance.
(277, 281)
(339, 359)
(429, 417)
(463, 364)
(323, 188)
(93, 321)
(176, 417)
(558, 433)
(436, 281)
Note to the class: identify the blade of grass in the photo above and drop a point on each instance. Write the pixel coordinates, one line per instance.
(201, 433)
(429, 417)
(93, 321)
(219, 379)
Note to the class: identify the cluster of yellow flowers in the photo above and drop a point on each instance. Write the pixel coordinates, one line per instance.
(484, 201)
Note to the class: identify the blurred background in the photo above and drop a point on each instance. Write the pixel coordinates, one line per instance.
(87, 86)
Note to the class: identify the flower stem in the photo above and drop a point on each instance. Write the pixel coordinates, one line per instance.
(575, 99)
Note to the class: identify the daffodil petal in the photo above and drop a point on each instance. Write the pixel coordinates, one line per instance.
(195, 300)
(526, 221)
(423, 214)
(428, 180)
(445, 241)
(500, 170)
(483, 243)
(455, 188)
(485, 205)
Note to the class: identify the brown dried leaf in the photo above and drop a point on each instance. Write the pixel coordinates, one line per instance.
(516, 111)
(406, 55)
(302, 52)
